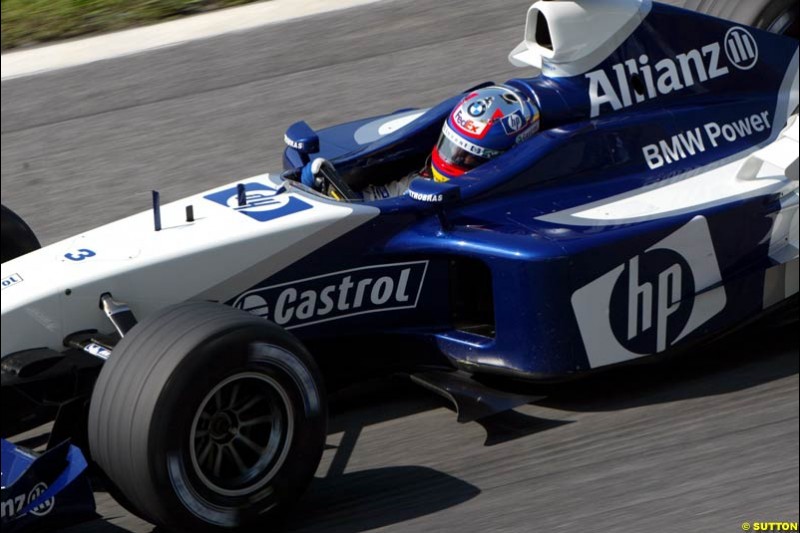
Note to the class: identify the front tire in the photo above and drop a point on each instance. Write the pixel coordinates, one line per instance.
(208, 418)
(16, 236)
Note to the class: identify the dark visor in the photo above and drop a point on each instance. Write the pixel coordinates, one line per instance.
(457, 156)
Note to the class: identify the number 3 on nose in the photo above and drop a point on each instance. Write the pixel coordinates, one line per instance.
(80, 254)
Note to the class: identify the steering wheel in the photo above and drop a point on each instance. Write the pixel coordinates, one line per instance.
(328, 180)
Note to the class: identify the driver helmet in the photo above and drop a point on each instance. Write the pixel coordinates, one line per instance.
(486, 123)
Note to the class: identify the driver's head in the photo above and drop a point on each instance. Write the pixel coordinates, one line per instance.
(486, 123)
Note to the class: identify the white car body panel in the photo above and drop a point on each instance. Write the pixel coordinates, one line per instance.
(222, 253)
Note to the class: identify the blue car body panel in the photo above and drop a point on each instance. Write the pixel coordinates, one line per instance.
(575, 286)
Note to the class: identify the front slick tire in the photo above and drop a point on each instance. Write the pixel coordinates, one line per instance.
(16, 236)
(207, 418)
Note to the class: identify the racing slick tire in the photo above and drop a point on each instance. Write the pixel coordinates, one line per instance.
(16, 236)
(776, 16)
(207, 418)
(781, 17)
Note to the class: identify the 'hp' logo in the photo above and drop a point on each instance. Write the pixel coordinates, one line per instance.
(514, 122)
(653, 294)
(262, 202)
(741, 48)
(259, 201)
(652, 301)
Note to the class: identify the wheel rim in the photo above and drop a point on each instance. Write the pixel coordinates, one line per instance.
(785, 22)
(241, 434)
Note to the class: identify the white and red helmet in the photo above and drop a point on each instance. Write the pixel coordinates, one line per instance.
(486, 123)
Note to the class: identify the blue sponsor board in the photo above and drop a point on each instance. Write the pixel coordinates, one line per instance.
(513, 122)
(357, 291)
(263, 203)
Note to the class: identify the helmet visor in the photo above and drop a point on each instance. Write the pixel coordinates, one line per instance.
(459, 153)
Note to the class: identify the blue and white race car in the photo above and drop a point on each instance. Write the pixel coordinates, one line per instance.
(184, 348)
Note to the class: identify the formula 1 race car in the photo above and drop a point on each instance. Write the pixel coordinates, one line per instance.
(184, 348)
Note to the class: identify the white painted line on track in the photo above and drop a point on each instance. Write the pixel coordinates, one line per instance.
(76, 52)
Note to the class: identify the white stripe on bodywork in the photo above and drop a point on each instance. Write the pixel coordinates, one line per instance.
(730, 179)
(374, 130)
(393, 125)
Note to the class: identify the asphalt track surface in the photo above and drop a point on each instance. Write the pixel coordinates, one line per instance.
(700, 443)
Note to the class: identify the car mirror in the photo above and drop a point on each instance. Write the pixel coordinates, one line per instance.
(434, 192)
(302, 138)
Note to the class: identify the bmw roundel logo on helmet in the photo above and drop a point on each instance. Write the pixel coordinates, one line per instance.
(477, 108)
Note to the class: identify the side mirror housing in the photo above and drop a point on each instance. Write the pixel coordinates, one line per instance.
(302, 138)
(434, 192)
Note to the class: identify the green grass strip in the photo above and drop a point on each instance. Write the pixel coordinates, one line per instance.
(27, 22)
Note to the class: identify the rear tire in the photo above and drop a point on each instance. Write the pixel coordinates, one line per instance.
(781, 17)
(208, 418)
(16, 236)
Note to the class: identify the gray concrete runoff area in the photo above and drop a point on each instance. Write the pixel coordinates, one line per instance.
(701, 443)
